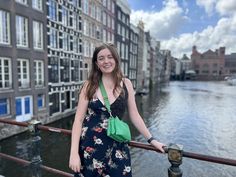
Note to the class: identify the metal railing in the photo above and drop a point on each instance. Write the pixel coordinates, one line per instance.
(175, 152)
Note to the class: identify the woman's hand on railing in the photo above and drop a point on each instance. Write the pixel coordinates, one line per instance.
(159, 146)
(75, 163)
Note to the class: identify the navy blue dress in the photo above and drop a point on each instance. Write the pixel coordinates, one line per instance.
(100, 155)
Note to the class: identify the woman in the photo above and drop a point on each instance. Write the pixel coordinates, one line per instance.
(99, 155)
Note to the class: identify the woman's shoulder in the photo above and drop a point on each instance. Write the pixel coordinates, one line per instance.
(84, 86)
(128, 83)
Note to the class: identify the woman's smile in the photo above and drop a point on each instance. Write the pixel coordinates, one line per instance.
(105, 61)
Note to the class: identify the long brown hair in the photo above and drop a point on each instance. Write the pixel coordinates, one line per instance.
(96, 75)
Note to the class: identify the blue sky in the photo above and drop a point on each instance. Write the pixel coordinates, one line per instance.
(180, 24)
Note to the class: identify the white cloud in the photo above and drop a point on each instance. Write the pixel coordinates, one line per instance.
(226, 8)
(208, 5)
(223, 34)
(221, 6)
(163, 24)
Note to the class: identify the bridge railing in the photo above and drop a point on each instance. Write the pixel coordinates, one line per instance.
(174, 151)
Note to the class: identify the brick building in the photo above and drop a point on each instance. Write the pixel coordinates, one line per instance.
(208, 65)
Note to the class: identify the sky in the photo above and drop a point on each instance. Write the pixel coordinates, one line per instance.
(181, 24)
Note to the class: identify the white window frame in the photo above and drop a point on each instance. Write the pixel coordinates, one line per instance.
(21, 31)
(24, 117)
(65, 16)
(104, 18)
(25, 2)
(53, 10)
(23, 78)
(53, 42)
(38, 35)
(86, 7)
(3, 71)
(5, 37)
(39, 73)
(37, 4)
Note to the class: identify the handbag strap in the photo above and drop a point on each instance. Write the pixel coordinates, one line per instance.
(105, 97)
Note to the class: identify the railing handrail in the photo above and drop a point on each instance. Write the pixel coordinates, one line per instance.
(197, 156)
(26, 162)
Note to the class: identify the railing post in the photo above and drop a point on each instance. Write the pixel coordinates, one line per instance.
(35, 148)
(175, 155)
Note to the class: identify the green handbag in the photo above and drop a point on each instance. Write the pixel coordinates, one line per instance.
(117, 129)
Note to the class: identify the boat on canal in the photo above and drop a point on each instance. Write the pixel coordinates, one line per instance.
(231, 80)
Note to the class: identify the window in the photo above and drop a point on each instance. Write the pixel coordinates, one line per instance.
(23, 73)
(76, 3)
(53, 69)
(93, 13)
(38, 73)
(66, 41)
(86, 7)
(98, 15)
(76, 71)
(5, 73)
(24, 108)
(65, 70)
(113, 7)
(4, 27)
(76, 44)
(21, 31)
(54, 103)
(40, 101)
(113, 24)
(53, 38)
(65, 16)
(109, 4)
(38, 35)
(22, 1)
(104, 18)
(52, 10)
(104, 3)
(4, 107)
(104, 39)
(67, 97)
(37, 4)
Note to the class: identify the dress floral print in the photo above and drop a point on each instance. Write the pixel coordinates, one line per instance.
(100, 155)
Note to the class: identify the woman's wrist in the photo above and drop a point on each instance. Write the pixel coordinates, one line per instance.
(150, 139)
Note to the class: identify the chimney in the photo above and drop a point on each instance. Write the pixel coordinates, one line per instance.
(194, 49)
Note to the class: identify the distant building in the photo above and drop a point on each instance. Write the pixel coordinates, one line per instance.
(178, 69)
(108, 20)
(230, 64)
(92, 32)
(186, 63)
(208, 65)
(147, 54)
(23, 61)
(133, 55)
(155, 47)
(65, 61)
(140, 62)
(166, 65)
(122, 33)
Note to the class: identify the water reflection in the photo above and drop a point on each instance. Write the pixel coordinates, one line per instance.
(198, 115)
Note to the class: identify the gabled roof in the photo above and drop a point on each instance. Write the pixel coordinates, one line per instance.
(209, 52)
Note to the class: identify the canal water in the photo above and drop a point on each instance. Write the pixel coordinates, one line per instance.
(201, 116)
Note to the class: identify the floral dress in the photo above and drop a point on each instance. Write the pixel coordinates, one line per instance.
(100, 155)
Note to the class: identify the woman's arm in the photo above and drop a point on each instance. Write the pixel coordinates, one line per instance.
(136, 119)
(82, 106)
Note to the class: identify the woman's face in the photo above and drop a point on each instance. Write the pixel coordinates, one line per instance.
(105, 61)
